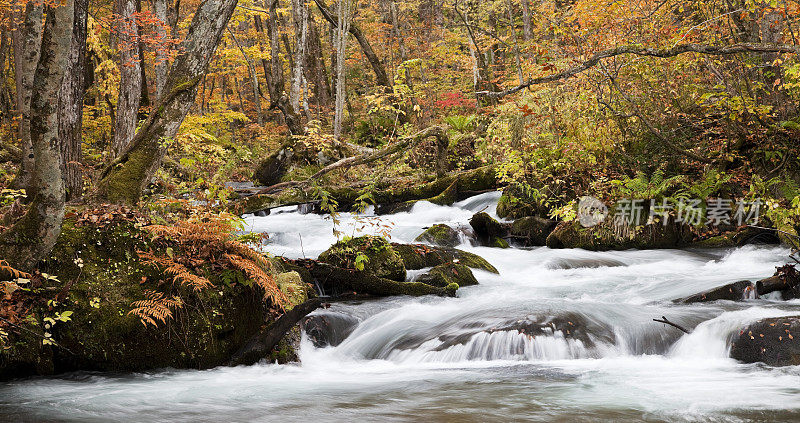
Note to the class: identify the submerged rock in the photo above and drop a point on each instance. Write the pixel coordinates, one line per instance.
(774, 341)
(382, 260)
(419, 256)
(449, 273)
(327, 328)
(440, 234)
(736, 291)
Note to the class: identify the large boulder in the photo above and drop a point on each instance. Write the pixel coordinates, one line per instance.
(532, 231)
(369, 254)
(488, 232)
(449, 273)
(419, 256)
(274, 167)
(617, 234)
(512, 206)
(774, 341)
(89, 325)
(440, 234)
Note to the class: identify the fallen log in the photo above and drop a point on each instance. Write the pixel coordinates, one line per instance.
(262, 343)
(785, 278)
(443, 191)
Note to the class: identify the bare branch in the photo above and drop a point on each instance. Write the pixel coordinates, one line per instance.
(650, 52)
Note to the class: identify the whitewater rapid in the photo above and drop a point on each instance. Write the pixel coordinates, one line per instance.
(431, 358)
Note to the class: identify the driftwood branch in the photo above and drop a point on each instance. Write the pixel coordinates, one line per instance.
(402, 145)
(263, 342)
(675, 325)
(650, 52)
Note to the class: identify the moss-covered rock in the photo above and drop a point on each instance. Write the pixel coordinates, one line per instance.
(532, 230)
(271, 170)
(613, 234)
(440, 234)
(292, 285)
(100, 276)
(489, 232)
(419, 256)
(449, 273)
(511, 206)
(375, 254)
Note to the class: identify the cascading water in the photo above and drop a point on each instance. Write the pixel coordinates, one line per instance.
(557, 335)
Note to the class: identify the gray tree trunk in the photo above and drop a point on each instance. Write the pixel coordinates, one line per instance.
(342, 28)
(161, 65)
(526, 21)
(124, 179)
(27, 40)
(70, 104)
(130, 75)
(34, 235)
(300, 17)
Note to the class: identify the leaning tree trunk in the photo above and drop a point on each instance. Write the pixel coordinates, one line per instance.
(27, 39)
(130, 75)
(34, 235)
(70, 104)
(124, 179)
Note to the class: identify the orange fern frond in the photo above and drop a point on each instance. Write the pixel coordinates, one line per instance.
(155, 308)
(15, 274)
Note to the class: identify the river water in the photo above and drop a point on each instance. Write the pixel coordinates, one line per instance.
(445, 359)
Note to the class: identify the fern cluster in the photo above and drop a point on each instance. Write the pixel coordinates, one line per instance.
(204, 239)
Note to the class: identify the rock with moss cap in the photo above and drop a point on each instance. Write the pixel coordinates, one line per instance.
(100, 276)
(378, 257)
(489, 232)
(440, 234)
(419, 256)
(532, 230)
(447, 273)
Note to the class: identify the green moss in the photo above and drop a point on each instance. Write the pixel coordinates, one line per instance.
(446, 274)
(418, 256)
(381, 258)
(440, 234)
(291, 284)
(105, 275)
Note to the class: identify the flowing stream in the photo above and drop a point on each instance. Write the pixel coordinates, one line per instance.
(460, 359)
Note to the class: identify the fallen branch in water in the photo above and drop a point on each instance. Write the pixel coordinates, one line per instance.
(675, 325)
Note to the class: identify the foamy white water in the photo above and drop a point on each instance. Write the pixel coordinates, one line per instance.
(430, 358)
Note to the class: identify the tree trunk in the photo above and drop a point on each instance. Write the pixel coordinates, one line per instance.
(377, 66)
(161, 65)
(251, 69)
(130, 75)
(278, 98)
(342, 28)
(316, 72)
(124, 180)
(27, 39)
(34, 235)
(300, 17)
(526, 21)
(70, 104)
